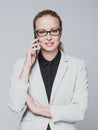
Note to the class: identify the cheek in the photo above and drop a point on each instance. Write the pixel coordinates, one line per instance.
(57, 39)
(41, 40)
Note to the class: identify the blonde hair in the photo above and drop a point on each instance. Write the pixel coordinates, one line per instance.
(61, 46)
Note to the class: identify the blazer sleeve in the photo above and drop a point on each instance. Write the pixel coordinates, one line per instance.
(76, 109)
(18, 90)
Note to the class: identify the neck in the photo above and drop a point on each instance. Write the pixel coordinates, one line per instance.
(49, 55)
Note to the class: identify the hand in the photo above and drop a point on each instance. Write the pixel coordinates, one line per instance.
(31, 53)
(30, 59)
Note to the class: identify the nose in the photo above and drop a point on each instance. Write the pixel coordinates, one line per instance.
(48, 37)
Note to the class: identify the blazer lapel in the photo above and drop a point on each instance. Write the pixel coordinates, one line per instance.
(62, 68)
(37, 84)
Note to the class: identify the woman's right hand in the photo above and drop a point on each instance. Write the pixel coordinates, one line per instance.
(32, 53)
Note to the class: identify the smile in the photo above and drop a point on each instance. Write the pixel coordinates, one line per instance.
(49, 44)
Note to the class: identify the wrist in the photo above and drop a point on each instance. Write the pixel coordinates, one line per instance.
(27, 67)
(25, 74)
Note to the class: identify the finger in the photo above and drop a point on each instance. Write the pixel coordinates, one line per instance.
(35, 45)
(34, 50)
(34, 41)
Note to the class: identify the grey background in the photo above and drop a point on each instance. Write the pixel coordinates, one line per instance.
(80, 30)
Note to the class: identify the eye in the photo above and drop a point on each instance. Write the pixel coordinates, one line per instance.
(41, 32)
(54, 30)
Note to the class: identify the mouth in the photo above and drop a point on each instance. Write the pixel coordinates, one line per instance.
(49, 44)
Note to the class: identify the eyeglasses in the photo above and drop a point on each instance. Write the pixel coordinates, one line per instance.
(52, 32)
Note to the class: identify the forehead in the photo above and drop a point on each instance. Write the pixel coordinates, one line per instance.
(47, 22)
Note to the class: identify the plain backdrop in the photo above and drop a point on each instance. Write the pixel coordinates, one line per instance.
(80, 39)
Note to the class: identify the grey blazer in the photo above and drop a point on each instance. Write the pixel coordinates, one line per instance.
(69, 97)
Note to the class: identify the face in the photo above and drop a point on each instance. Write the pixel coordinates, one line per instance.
(48, 42)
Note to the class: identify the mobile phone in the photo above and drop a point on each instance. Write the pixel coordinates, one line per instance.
(35, 35)
(37, 46)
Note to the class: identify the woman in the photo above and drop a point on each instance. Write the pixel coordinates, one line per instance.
(49, 85)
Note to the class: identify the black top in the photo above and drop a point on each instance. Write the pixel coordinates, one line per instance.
(48, 71)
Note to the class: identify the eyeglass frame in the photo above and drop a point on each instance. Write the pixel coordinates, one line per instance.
(36, 32)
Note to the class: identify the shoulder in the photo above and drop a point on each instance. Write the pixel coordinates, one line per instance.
(18, 64)
(73, 61)
(20, 61)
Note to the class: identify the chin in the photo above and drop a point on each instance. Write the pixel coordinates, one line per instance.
(50, 49)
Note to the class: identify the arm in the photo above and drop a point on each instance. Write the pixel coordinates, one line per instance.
(19, 80)
(18, 90)
(36, 108)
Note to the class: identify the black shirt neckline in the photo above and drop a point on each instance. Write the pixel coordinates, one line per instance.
(44, 62)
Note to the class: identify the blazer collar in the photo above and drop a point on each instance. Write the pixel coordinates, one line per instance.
(62, 68)
(37, 85)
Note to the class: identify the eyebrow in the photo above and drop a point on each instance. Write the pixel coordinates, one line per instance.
(50, 29)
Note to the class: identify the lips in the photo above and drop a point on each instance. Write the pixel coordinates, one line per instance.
(49, 44)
